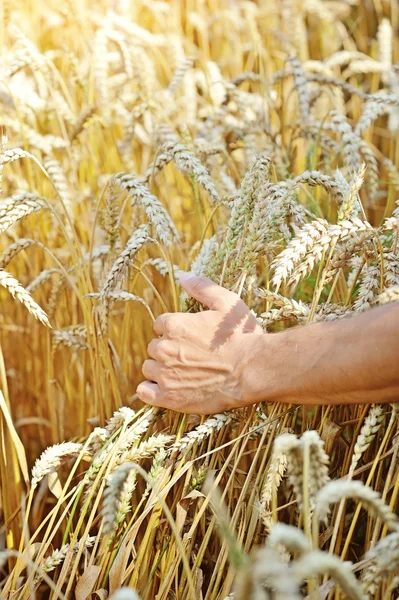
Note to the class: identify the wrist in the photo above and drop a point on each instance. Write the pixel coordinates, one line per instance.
(265, 374)
(259, 374)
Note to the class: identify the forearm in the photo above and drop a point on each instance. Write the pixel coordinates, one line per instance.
(354, 360)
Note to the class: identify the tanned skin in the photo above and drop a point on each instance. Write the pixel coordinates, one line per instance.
(221, 359)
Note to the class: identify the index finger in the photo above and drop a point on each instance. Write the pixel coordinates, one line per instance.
(150, 393)
(159, 323)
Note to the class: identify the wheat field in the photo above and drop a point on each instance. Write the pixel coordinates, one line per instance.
(255, 143)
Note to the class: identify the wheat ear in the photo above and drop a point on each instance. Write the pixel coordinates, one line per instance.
(335, 491)
(20, 293)
(51, 459)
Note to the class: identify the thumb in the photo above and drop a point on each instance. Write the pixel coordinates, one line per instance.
(207, 292)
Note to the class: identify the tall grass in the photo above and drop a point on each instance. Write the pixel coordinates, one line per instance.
(255, 143)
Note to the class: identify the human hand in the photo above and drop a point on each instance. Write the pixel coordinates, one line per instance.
(197, 364)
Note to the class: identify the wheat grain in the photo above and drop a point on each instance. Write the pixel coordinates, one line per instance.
(318, 463)
(15, 249)
(284, 264)
(241, 214)
(371, 112)
(266, 576)
(319, 249)
(292, 538)
(301, 87)
(163, 267)
(125, 593)
(367, 433)
(122, 42)
(103, 440)
(346, 256)
(384, 557)
(63, 109)
(72, 337)
(369, 288)
(139, 239)
(349, 140)
(157, 472)
(275, 473)
(318, 563)
(384, 37)
(144, 449)
(121, 296)
(18, 206)
(55, 294)
(111, 216)
(117, 495)
(390, 224)
(122, 417)
(210, 425)
(200, 264)
(47, 143)
(20, 293)
(335, 491)
(180, 72)
(3, 148)
(275, 208)
(153, 208)
(351, 200)
(332, 312)
(249, 76)
(315, 178)
(82, 122)
(372, 171)
(389, 295)
(14, 154)
(292, 309)
(163, 158)
(55, 170)
(367, 65)
(189, 165)
(101, 66)
(391, 269)
(58, 556)
(343, 57)
(42, 278)
(51, 460)
(318, 460)
(23, 42)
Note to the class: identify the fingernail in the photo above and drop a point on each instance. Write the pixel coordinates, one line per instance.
(186, 276)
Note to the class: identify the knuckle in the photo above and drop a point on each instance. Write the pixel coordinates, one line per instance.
(152, 348)
(157, 323)
(164, 351)
(144, 368)
(169, 324)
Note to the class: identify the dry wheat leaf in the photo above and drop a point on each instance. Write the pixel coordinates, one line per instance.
(87, 582)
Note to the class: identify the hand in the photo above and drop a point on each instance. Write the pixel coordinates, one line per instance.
(197, 364)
